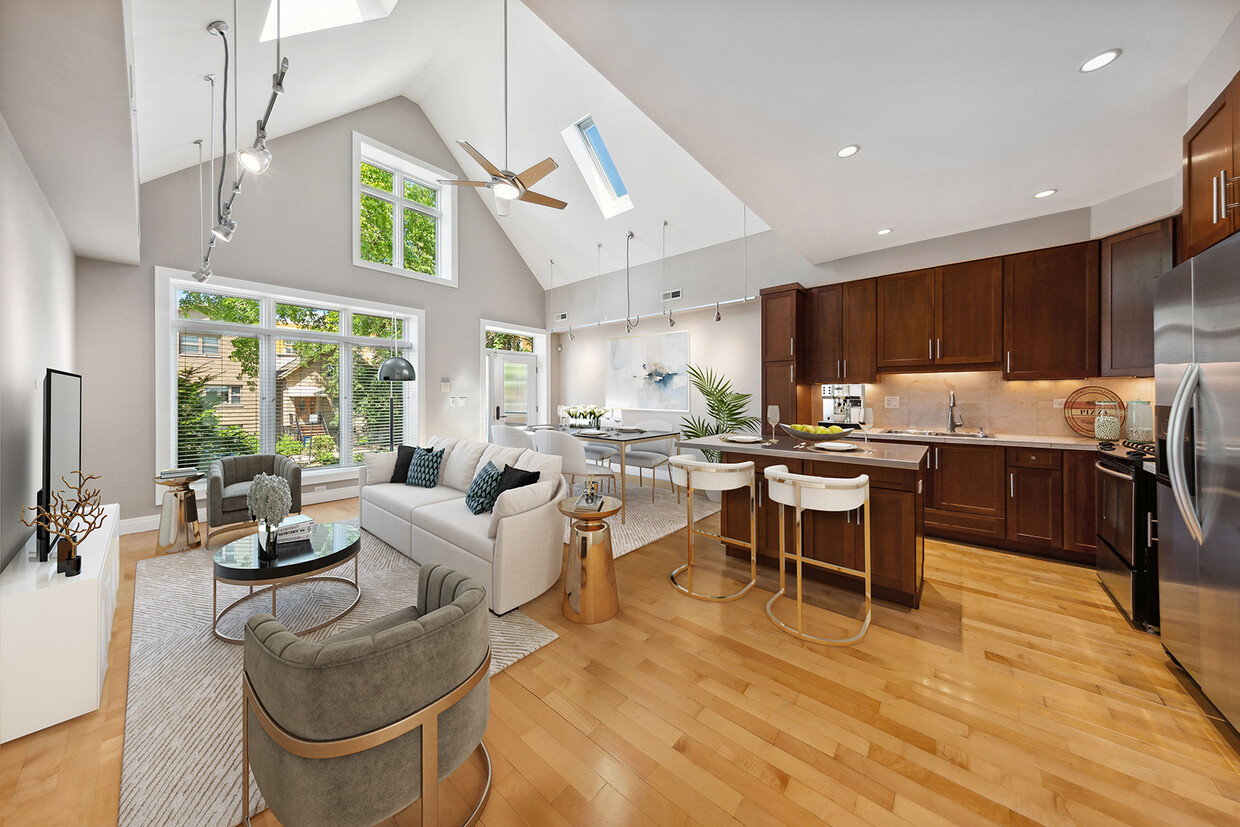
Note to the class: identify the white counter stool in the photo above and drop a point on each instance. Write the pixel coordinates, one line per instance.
(809, 493)
(694, 475)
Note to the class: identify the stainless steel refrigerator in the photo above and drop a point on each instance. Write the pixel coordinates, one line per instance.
(1197, 425)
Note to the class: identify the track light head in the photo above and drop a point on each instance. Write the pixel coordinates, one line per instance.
(225, 229)
(218, 27)
(718, 317)
(203, 274)
(571, 337)
(670, 321)
(256, 158)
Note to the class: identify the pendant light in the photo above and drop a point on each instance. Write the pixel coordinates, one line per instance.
(395, 368)
(629, 322)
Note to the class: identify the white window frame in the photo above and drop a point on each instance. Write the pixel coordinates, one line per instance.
(168, 326)
(542, 374)
(583, 154)
(404, 167)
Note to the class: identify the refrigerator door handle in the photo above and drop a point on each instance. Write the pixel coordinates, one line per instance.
(1175, 447)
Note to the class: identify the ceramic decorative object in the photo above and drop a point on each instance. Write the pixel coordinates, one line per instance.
(269, 501)
(74, 512)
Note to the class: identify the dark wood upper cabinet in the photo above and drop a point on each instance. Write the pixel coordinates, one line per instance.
(860, 325)
(1129, 263)
(1035, 505)
(906, 312)
(968, 313)
(826, 320)
(1050, 313)
(1209, 161)
(782, 311)
(968, 478)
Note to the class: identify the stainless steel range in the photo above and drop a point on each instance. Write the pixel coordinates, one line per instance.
(1126, 556)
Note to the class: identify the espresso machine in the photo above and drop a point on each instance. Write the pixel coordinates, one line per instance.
(842, 404)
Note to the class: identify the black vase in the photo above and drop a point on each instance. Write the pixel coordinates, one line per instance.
(268, 550)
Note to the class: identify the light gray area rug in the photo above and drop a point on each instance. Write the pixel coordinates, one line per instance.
(647, 521)
(182, 755)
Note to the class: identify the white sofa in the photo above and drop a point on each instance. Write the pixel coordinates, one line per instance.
(516, 549)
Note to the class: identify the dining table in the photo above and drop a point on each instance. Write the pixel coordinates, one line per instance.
(619, 437)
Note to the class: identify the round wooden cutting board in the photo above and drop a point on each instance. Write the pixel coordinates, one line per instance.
(1082, 407)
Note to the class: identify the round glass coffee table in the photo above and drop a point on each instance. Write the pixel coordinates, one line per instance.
(238, 564)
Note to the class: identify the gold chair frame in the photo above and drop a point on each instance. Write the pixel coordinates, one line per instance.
(800, 558)
(427, 718)
(691, 530)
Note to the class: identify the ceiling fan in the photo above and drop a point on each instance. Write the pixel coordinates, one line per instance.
(506, 185)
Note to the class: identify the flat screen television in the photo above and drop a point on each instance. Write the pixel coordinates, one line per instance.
(62, 441)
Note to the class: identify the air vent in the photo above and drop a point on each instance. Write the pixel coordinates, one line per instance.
(670, 295)
(560, 317)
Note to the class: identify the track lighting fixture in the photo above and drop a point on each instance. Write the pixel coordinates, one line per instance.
(571, 337)
(718, 316)
(225, 229)
(204, 273)
(256, 158)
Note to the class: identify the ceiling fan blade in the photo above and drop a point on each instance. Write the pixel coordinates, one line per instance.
(537, 172)
(464, 183)
(502, 205)
(542, 200)
(482, 161)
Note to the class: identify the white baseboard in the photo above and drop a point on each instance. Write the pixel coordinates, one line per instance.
(135, 525)
(330, 495)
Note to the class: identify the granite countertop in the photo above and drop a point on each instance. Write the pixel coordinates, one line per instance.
(1065, 443)
(889, 455)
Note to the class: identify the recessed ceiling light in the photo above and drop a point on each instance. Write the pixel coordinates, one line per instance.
(1045, 193)
(1096, 63)
(885, 231)
(848, 151)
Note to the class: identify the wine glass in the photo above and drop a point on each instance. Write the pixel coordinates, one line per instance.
(865, 418)
(772, 416)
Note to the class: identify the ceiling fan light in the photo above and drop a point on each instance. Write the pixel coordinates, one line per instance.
(506, 191)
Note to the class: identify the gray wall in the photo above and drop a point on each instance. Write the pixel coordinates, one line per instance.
(36, 280)
(294, 230)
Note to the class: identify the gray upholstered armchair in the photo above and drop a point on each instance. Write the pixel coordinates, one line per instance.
(354, 729)
(228, 483)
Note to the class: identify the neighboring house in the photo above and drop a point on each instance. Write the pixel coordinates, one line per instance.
(235, 396)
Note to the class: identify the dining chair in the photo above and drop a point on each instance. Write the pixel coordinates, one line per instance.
(652, 455)
(512, 437)
(573, 453)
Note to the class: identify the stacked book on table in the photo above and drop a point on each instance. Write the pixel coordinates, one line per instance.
(178, 473)
(294, 528)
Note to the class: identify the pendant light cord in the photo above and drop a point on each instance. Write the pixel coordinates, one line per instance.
(628, 306)
(598, 283)
(219, 187)
(745, 248)
(505, 84)
(203, 232)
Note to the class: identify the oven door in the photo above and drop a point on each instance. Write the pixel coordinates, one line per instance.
(1116, 491)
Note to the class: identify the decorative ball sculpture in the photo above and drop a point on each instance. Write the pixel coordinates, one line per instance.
(269, 501)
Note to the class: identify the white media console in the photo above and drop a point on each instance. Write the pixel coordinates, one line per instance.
(54, 633)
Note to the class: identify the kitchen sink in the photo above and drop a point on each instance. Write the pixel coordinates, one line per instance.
(916, 432)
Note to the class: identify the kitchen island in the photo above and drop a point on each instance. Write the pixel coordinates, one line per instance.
(897, 543)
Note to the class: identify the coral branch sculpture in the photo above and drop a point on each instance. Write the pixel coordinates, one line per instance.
(72, 513)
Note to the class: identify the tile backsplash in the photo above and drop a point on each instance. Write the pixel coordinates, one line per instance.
(984, 398)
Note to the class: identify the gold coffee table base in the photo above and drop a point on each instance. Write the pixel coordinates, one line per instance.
(271, 586)
(590, 594)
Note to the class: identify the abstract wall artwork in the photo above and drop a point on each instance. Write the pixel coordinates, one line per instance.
(648, 372)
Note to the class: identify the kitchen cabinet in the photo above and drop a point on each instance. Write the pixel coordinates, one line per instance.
(1129, 263)
(1079, 497)
(782, 387)
(1050, 313)
(906, 314)
(1209, 171)
(783, 310)
(968, 313)
(1035, 496)
(858, 346)
(826, 324)
(968, 478)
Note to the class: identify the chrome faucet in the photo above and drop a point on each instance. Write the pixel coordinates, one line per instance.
(954, 420)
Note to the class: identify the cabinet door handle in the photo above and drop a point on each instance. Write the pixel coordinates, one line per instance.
(849, 518)
(1009, 361)
(1222, 194)
(792, 346)
(936, 459)
(1214, 195)
(792, 374)
(845, 376)
(938, 348)
(838, 371)
(930, 344)
(1011, 485)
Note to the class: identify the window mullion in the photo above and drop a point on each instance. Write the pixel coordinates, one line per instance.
(345, 354)
(398, 236)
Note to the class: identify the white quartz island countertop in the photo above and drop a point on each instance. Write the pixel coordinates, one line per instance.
(885, 454)
(1065, 443)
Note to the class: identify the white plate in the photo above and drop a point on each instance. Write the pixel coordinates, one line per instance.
(741, 438)
(591, 432)
(834, 446)
(631, 430)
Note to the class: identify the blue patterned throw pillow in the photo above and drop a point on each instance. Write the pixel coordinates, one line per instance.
(424, 468)
(484, 490)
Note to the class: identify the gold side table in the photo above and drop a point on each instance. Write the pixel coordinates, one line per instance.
(590, 594)
(178, 518)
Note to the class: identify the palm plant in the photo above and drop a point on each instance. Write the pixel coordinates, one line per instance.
(725, 407)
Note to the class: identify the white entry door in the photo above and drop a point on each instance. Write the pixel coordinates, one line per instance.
(513, 387)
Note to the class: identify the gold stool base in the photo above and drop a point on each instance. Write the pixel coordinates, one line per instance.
(825, 641)
(718, 598)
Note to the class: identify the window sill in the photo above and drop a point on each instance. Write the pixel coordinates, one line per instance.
(358, 261)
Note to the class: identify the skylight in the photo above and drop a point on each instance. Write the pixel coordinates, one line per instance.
(585, 142)
(303, 16)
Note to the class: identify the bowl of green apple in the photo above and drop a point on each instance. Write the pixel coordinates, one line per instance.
(818, 433)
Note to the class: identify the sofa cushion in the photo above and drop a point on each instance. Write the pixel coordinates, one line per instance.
(379, 467)
(511, 478)
(549, 465)
(500, 455)
(447, 443)
(483, 490)
(234, 498)
(400, 500)
(424, 468)
(404, 456)
(520, 500)
(451, 522)
(461, 464)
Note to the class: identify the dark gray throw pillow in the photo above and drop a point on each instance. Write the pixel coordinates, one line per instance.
(515, 478)
(424, 468)
(484, 490)
(404, 456)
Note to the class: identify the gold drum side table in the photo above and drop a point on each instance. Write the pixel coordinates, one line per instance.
(178, 518)
(590, 594)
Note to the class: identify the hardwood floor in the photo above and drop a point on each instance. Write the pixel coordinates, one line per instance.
(1016, 695)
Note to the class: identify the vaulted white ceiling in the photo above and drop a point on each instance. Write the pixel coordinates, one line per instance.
(963, 108)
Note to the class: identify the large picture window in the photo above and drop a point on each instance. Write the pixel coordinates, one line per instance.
(404, 219)
(269, 375)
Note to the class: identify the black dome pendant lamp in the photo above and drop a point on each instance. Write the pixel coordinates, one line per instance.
(395, 368)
